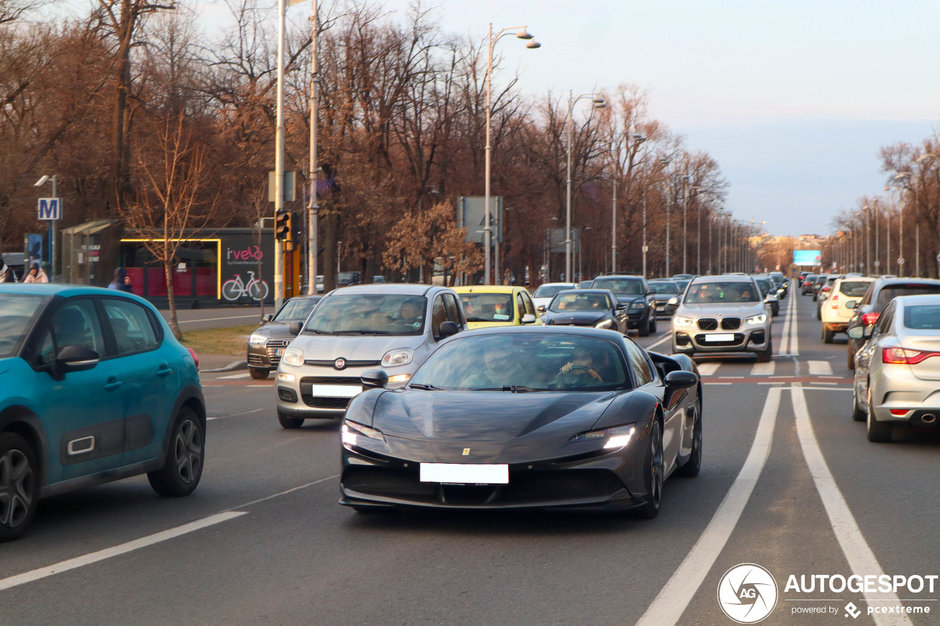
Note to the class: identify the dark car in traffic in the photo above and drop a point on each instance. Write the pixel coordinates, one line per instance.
(596, 308)
(268, 342)
(525, 418)
(93, 388)
(666, 294)
(634, 295)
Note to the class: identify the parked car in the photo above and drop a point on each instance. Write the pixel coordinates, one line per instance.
(897, 372)
(881, 291)
(722, 314)
(353, 329)
(596, 308)
(268, 342)
(497, 305)
(665, 296)
(841, 303)
(546, 291)
(94, 388)
(520, 418)
(634, 294)
(345, 279)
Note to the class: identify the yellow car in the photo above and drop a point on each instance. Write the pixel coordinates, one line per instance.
(497, 305)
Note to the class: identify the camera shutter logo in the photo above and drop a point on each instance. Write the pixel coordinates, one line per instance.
(747, 593)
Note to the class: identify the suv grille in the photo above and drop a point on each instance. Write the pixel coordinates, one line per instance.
(731, 323)
(708, 323)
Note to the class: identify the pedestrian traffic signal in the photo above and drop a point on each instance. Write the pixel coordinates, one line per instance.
(283, 228)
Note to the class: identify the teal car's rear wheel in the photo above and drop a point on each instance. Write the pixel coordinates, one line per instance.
(19, 485)
(185, 457)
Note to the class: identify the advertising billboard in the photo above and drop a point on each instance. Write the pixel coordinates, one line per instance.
(807, 257)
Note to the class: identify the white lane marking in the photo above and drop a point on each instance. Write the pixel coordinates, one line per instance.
(708, 369)
(763, 369)
(857, 551)
(666, 336)
(124, 548)
(820, 368)
(676, 594)
(233, 377)
(220, 417)
(215, 319)
(794, 347)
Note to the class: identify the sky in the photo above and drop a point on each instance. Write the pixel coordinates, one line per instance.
(794, 99)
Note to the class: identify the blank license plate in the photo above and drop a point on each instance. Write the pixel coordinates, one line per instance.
(720, 337)
(335, 391)
(464, 473)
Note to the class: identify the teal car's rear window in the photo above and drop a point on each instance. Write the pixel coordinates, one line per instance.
(17, 312)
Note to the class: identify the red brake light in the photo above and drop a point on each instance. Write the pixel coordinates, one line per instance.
(869, 319)
(901, 356)
(195, 358)
(835, 301)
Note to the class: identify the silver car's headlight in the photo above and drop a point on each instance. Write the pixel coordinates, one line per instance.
(604, 324)
(398, 356)
(293, 356)
(757, 319)
(682, 322)
(257, 340)
(614, 438)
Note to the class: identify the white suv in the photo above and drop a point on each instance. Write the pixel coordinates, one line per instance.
(722, 314)
(836, 311)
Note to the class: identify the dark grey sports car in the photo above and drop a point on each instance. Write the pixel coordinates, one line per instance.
(525, 418)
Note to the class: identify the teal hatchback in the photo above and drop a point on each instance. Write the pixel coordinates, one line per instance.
(93, 388)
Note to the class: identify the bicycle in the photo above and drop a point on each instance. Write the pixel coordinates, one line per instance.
(234, 288)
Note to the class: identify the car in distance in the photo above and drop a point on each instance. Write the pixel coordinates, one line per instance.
(523, 418)
(94, 388)
(897, 371)
(665, 295)
(837, 310)
(881, 291)
(595, 308)
(634, 294)
(354, 329)
(770, 292)
(497, 305)
(806, 283)
(546, 291)
(268, 342)
(722, 314)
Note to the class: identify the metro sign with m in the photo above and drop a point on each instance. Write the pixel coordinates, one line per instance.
(50, 209)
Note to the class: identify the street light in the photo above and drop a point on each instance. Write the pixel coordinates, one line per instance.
(899, 183)
(596, 103)
(522, 33)
(55, 194)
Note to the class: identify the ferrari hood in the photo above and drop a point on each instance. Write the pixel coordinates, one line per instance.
(577, 318)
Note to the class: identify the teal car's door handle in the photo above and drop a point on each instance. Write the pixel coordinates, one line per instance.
(113, 383)
(164, 370)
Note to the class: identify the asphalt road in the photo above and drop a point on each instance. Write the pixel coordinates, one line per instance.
(789, 482)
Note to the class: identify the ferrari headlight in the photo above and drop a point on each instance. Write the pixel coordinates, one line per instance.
(398, 356)
(682, 322)
(757, 319)
(352, 432)
(614, 438)
(293, 356)
(604, 324)
(257, 339)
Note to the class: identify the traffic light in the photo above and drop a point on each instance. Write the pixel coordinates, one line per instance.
(284, 229)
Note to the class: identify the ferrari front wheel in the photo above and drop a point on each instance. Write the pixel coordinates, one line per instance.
(653, 473)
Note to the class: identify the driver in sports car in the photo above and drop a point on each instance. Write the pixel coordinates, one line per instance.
(579, 367)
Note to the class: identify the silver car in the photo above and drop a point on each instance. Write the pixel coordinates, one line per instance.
(354, 329)
(897, 372)
(722, 314)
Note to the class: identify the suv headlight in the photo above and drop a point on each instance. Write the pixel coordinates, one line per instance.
(293, 356)
(757, 319)
(682, 322)
(636, 306)
(613, 438)
(257, 340)
(398, 356)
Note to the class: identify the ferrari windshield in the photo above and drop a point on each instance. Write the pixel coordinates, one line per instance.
(523, 362)
(487, 307)
(719, 292)
(570, 301)
(16, 315)
(368, 314)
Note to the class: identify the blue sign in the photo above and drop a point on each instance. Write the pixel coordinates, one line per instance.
(807, 257)
(50, 209)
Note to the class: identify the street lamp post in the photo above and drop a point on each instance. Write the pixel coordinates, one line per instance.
(522, 33)
(54, 179)
(597, 103)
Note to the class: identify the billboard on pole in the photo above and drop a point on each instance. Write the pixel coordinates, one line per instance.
(807, 257)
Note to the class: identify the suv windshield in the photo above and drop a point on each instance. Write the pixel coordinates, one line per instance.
(487, 307)
(621, 286)
(16, 315)
(368, 314)
(296, 309)
(719, 292)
